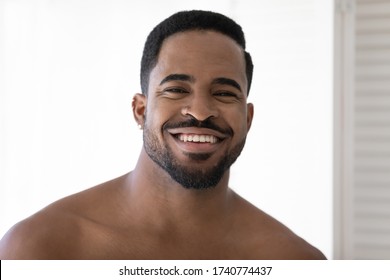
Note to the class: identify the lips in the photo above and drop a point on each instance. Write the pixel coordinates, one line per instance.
(197, 135)
(196, 140)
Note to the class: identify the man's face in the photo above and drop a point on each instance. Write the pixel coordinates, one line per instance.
(197, 116)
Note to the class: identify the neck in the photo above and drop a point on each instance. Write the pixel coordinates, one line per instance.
(161, 199)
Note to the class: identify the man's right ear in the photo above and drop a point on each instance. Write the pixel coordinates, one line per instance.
(139, 108)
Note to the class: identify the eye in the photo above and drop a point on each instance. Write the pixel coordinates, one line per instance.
(225, 94)
(177, 90)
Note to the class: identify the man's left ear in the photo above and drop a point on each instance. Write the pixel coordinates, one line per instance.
(249, 115)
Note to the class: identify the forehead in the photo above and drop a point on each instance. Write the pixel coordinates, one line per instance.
(201, 54)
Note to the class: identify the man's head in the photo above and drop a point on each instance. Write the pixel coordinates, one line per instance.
(186, 21)
(195, 113)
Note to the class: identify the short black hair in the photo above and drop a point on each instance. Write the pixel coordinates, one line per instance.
(186, 21)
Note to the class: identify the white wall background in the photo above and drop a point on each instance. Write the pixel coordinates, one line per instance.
(69, 69)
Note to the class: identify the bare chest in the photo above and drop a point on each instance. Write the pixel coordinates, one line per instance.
(139, 245)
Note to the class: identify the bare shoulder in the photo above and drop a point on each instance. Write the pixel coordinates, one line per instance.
(267, 238)
(61, 230)
(38, 236)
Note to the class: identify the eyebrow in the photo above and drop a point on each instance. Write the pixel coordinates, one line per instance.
(177, 77)
(189, 78)
(227, 81)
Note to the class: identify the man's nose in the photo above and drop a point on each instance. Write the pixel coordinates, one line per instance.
(201, 108)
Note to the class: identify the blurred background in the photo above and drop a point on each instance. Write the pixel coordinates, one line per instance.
(69, 70)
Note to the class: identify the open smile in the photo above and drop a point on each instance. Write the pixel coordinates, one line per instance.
(197, 140)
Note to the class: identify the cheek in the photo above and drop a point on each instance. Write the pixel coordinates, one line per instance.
(152, 122)
(238, 120)
(156, 115)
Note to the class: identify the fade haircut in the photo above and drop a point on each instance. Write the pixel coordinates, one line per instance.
(187, 21)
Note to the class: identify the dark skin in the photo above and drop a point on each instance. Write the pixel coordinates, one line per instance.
(145, 214)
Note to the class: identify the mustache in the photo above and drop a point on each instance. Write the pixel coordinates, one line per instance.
(192, 122)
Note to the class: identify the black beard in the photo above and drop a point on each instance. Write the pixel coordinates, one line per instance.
(190, 178)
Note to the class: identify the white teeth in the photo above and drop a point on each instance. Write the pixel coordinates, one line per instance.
(198, 138)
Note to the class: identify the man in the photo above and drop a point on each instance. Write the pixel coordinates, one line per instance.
(176, 203)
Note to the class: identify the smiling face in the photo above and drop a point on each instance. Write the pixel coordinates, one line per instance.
(197, 116)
